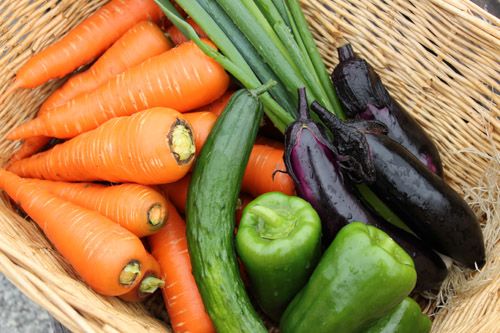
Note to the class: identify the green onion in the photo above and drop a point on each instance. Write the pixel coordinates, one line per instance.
(249, 53)
(312, 51)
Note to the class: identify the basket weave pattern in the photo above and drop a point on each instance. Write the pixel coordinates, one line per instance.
(438, 59)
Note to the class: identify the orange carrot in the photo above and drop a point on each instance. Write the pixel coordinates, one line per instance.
(141, 42)
(106, 256)
(182, 78)
(138, 208)
(150, 147)
(150, 282)
(202, 123)
(177, 192)
(85, 42)
(261, 140)
(182, 298)
(178, 37)
(217, 106)
(29, 147)
(265, 172)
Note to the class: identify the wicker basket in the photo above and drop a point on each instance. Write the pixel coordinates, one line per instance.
(438, 58)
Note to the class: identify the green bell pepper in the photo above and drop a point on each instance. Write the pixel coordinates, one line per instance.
(278, 241)
(361, 277)
(404, 318)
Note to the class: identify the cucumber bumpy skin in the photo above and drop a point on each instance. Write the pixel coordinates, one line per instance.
(211, 204)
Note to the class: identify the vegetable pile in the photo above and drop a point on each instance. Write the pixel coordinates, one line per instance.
(314, 203)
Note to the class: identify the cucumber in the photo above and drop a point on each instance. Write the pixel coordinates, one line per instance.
(211, 204)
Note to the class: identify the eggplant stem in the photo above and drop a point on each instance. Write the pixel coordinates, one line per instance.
(345, 52)
(326, 116)
(303, 105)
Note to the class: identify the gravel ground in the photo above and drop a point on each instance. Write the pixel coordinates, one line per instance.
(20, 315)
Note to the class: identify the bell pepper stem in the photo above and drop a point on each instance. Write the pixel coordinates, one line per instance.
(268, 215)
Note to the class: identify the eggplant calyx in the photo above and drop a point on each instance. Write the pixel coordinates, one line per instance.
(356, 160)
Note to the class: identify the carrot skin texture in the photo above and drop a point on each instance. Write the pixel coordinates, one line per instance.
(29, 147)
(177, 192)
(133, 149)
(183, 78)
(151, 268)
(202, 123)
(126, 204)
(97, 248)
(262, 173)
(178, 38)
(85, 42)
(217, 106)
(182, 298)
(143, 41)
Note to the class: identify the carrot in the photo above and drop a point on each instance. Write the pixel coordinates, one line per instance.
(178, 37)
(202, 123)
(150, 282)
(182, 298)
(265, 172)
(177, 192)
(143, 41)
(182, 78)
(261, 140)
(85, 42)
(150, 147)
(29, 147)
(138, 208)
(217, 106)
(106, 256)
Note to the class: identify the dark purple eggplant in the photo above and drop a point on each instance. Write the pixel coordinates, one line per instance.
(429, 206)
(363, 96)
(314, 166)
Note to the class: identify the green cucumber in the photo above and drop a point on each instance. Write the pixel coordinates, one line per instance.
(212, 197)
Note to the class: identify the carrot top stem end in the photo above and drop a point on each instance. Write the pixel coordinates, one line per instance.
(181, 142)
(157, 215)
(150, 284)
(130, 273)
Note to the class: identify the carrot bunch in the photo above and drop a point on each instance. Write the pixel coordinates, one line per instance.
(85, 42)
(107, 257)
(182, 78)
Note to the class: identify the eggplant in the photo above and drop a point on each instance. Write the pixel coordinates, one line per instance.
(314, 165)
(429, 206)
(363, 96)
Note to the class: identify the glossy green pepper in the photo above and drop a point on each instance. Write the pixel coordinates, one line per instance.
(361, 277)
(278, 241)
(404, 318)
